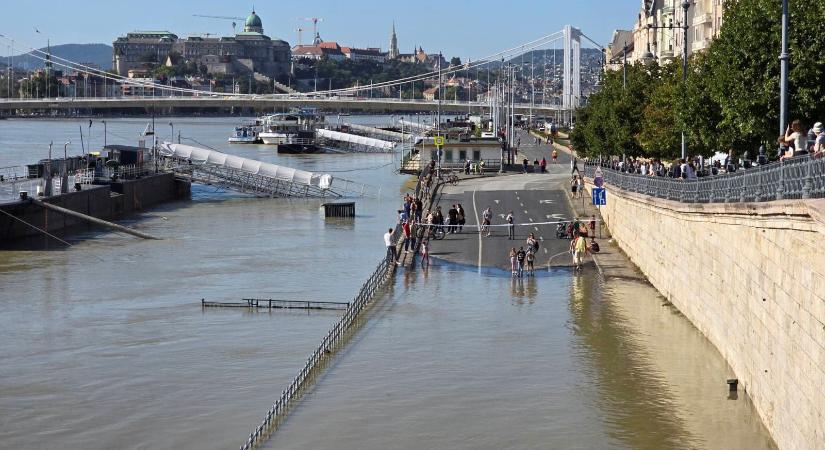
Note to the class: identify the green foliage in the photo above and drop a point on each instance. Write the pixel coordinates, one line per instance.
(455, 61)
(731, 97)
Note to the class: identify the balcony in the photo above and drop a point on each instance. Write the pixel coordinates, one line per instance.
(702, 18)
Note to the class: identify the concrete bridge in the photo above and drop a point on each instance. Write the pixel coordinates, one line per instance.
(258, 102)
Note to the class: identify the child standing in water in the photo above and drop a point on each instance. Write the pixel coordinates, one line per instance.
(425, 253)
(513, 261)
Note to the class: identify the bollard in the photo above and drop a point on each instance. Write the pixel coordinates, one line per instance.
(733, 384)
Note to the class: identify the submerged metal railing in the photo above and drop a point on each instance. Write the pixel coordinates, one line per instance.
(796, 178)
(333, 339)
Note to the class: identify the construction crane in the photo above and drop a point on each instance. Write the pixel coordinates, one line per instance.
(233, 19)
(314, 21)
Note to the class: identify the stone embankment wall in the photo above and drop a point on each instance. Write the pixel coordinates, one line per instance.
(751, 277)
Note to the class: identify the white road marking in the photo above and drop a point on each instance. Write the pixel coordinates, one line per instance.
(478, 223)
(522, 204)
(545, 251)
(525, 212)
(546, 201)
(536, 228)
(531, 219)
(549, 216)
(493, 200)
(542, 239)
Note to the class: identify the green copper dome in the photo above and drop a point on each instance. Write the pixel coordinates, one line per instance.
(254, 21)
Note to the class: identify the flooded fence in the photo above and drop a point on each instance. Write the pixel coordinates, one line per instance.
(270, 303)
(333, 340)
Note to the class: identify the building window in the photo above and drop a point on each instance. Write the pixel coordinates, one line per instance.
(448, 155)
(476, 155)
(434, 155)
(462, 155)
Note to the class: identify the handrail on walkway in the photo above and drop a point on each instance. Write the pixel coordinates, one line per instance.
(802, 177)
(329, 343)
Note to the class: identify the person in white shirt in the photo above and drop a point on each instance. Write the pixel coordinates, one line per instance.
(390, 246)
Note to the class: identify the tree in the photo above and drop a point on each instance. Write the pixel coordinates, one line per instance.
(730, 98)
(455, 61)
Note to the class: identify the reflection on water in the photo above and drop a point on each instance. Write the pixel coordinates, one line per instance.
(457, 359)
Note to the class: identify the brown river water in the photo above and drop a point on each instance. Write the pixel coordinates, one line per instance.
(105, 345)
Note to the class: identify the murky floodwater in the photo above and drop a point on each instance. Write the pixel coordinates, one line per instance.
(104, 344)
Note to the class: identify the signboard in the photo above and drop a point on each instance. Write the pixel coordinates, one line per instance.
(438, 141)
(599, 196)
(598, 177)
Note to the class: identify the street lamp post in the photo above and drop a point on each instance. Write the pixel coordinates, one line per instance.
(686, 28)
(104, 133)
(783, 83)
(172, 139)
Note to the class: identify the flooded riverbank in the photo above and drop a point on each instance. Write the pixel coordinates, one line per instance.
(104, 344)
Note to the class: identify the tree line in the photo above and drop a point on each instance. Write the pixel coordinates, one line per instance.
(730, 99)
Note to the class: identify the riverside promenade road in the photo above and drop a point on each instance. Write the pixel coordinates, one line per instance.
(534, 198)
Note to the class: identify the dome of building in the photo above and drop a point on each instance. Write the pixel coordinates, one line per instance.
(253, 23)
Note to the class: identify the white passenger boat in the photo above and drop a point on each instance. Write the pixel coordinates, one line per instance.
(284, 128)
(246, 134)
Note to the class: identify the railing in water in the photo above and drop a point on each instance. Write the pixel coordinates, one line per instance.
(796, 178)
(333, 339)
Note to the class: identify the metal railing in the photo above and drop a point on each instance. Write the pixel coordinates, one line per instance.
(796, 178)
(333, 339)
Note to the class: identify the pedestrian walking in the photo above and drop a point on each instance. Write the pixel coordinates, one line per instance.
(462, 219)
(452, 215)
(513, 261)
(578, 247)
(543, 165)
(580, 185)
(531, 257)
(487, 218)
(574, 184)
(391, 247)
(532, 243)
(555, 156)
(593, 225)
(405, 228)
(425, 252)
(520, 257)
(511, 226)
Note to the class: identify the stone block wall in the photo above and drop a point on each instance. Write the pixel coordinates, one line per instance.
(751, 277)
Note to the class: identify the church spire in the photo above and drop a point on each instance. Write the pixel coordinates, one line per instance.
(393, 50)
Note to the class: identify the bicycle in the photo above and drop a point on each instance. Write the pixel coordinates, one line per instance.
(431, 232)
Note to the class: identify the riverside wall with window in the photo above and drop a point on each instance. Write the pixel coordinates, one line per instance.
(751, 277)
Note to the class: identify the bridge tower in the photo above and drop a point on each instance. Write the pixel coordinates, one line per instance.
(571, 80)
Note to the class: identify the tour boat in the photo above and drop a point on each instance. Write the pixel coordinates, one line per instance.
(284, 128)
(246, 134)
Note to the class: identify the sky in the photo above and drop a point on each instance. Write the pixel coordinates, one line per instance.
(464, 28)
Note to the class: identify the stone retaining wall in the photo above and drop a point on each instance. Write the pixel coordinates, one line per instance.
(751, 277)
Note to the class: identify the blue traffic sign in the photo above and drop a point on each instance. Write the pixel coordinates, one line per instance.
(599, 196)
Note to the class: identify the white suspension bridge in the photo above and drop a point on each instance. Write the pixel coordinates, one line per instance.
(358, 98)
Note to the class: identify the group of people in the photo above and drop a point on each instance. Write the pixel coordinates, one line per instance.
(538, 166)
(519, 257)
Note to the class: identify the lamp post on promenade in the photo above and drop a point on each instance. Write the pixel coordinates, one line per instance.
(783, 83)
(685, 28)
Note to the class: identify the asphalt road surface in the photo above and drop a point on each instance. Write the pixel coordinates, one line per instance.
(533, 199)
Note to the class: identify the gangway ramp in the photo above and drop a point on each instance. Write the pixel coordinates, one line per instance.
(379, 133)
(354, 142)
(255, 177)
